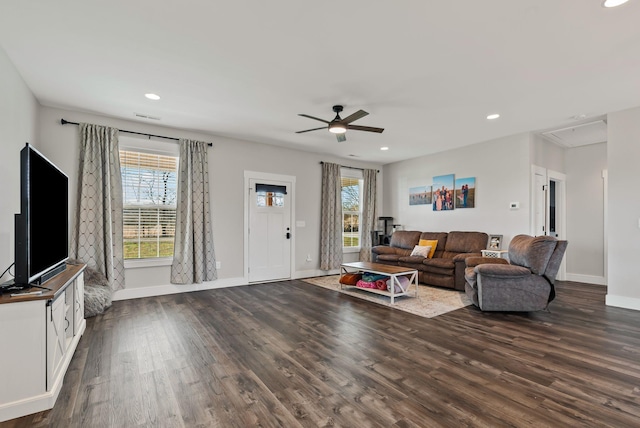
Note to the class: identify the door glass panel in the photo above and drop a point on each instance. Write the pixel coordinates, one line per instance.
(269, 199)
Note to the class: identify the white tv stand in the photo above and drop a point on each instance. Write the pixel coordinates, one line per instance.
(39, 334)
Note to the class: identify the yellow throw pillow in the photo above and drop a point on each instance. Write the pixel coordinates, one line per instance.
(433, 243)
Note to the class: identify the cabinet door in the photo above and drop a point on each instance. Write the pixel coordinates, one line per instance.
(78, 304)
(56, 339)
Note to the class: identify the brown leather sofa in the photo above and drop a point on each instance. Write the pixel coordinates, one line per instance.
(446, 267)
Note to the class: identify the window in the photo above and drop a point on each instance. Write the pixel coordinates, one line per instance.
(149, 190)
(270, 195)
(351, 212)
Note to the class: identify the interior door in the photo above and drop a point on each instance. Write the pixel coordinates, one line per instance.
(269, 230)
(539, 204)
(556, 212)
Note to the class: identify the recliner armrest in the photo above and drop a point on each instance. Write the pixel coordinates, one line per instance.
(505, 271)
(475, 261)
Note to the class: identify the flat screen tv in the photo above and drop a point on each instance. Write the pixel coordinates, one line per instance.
(42, 227)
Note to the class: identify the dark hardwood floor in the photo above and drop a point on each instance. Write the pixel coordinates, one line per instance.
(291, 354)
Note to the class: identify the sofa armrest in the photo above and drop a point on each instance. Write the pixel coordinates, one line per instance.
(475, 261)
(383, 249)
(464, 256)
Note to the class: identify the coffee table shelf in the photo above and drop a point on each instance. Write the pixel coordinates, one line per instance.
(393, 272)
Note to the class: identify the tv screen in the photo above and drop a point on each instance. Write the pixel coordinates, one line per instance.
(42, 231)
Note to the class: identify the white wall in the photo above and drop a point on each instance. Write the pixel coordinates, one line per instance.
(623, 153)
(501, 168)
(585, 212)
(18, 125)
(228, 160)
(546, 154)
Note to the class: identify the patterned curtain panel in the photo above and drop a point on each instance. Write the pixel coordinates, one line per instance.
(97, 231)
(331, 218)
(367, 222)
(193, 255)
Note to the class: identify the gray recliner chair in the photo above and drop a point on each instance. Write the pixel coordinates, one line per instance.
(524, 283)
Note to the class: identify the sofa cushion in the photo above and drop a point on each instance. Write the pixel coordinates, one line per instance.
(438, 271)
(411, 259)
(440, 266)
(389, 257)
(406, 239)
(466, 242)
(440, 263)
(532, 252)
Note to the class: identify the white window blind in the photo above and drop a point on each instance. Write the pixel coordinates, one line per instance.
(149, 192)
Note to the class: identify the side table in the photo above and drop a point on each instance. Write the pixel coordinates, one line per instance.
(496, 254)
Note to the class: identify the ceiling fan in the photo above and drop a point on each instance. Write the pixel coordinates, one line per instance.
(339, 126)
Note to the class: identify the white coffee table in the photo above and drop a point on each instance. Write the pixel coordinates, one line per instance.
(393, 272)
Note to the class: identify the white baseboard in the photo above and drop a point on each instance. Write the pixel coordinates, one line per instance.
(314, 272)
(589, 279)
(161, 290)
(623, 302)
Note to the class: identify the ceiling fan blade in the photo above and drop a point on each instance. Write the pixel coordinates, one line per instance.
(355, 116)
(314, 118)
(365, 128)
(309, 130)
(341, 138)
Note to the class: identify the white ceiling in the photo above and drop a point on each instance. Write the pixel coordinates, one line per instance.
(428, 72)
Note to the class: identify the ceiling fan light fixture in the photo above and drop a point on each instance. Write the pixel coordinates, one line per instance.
(337, 128)
(613, 3)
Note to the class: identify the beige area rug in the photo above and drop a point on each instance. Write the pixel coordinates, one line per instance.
(431, 301)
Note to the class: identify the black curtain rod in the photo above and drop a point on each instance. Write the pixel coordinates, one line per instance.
(351, 167)
(66, 122)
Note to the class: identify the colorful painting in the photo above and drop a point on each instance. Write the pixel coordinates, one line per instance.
(466, 192)
(420, 195)
(443, 189)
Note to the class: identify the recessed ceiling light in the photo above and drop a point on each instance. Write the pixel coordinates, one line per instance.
(613, 3)
(153, 97)
(384, 148)
(493, 116)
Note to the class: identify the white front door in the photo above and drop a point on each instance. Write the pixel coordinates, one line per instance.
(269, 230)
